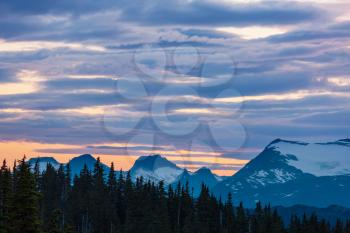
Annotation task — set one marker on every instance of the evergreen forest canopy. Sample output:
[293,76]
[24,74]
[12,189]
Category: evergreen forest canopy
[50,202]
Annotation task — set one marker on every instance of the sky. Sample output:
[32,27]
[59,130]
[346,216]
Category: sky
[203,83]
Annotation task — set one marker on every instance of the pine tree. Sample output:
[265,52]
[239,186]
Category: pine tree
[5,198]
[324,227]
[54,222]
[120,198]
[338,227]
[188,214]
[50,198]
[66,191]
[229,215]
[78,207]
[202,206]
[277,223]
[112,196]
[100,203]
[242,222]
[25,201]
[295,225]
[347,227]
[37,174]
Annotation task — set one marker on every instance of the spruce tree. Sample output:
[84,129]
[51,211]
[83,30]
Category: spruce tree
[54,222]
[338,227]
[242,221]
[25,201]
[113,217]
[203,212]
[347,227]
[5,198]
[229,215]
[50,194]
[99,200]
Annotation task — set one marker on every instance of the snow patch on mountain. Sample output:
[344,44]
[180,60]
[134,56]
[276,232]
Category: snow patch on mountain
[318,159]
[272,176]
[155,168]
[168,175]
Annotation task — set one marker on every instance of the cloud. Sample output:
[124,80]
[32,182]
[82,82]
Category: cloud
[61,7]
[326,118]
[292,85]
[216,14]
[7,75]
[334,31]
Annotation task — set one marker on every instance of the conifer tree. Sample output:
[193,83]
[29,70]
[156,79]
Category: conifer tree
[54,222]
[99,204]
[25,201]
[202,206]
[242,222]
[5,198]
[50,194]
[112,198]
[324,227]
[295,225]
[229,215]
[37,174]
[338,227]
[347,227]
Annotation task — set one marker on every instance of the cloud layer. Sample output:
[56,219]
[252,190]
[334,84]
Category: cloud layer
[202,82]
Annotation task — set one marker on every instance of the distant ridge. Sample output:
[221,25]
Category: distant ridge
[285,173]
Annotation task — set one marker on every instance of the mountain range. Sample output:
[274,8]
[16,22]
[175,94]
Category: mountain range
[285,173]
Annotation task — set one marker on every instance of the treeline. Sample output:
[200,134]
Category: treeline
[50,202]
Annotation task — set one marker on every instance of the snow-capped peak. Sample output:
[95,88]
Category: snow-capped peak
[78,163]
[319,159]
[155,168]
[43,162]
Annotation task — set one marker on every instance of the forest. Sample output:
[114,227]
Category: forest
[94,202]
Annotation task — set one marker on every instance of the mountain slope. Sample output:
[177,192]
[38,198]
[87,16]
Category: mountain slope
[288,173]
[155,168]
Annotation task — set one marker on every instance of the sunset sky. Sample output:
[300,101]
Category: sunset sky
[204,83]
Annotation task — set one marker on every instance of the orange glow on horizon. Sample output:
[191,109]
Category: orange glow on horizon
[15,150]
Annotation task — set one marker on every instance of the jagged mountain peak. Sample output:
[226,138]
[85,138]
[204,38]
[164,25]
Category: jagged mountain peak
[292,172]
[279,140]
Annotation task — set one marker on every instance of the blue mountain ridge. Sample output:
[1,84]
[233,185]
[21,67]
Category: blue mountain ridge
[279,175]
